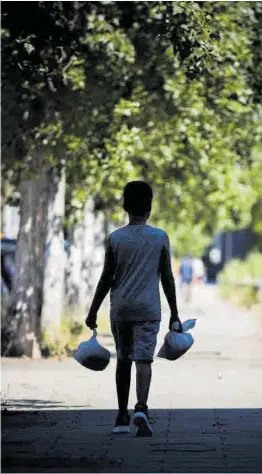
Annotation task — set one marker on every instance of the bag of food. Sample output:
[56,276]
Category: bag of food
[92,355]
[177,344]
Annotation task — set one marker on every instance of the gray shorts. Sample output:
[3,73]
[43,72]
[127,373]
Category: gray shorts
[135,340]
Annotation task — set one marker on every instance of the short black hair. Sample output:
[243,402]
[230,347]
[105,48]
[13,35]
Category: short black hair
[138,197]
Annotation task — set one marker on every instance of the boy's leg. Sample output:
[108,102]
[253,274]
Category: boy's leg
[143,380]
[123,335]
[123,378]
[144,348]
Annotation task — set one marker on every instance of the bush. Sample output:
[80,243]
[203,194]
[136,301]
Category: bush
[64,341]
[238,270]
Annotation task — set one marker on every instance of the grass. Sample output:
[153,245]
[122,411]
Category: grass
[64,341]
[238,270]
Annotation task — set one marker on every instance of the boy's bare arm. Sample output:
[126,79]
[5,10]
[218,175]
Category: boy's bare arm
[168,283]
[103,287]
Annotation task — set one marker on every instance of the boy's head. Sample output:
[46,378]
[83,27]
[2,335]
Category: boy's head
[138,197]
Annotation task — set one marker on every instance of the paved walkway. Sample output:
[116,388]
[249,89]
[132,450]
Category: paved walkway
[206,405]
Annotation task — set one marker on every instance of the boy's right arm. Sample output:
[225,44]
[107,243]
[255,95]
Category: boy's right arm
[103,286]
[168,283]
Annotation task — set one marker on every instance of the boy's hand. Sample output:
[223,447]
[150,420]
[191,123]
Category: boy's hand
[91,320]
[175,319]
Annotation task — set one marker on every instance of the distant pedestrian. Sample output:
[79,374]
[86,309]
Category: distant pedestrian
[137,257]
[186,276]
[198,270]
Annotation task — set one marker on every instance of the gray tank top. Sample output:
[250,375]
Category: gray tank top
[135,293]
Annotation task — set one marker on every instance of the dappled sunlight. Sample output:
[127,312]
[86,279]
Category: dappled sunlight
[29,291]
[28,225]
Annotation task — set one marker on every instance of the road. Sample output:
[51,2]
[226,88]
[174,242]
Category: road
[207,405]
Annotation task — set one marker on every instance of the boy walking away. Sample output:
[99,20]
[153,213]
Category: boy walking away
[137,257]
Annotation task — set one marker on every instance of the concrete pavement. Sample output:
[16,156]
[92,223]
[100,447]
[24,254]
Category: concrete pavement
[207,405]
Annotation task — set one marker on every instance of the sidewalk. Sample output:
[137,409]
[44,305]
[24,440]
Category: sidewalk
[185,441]
[206,406]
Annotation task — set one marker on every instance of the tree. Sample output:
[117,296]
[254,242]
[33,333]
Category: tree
[108,92]
[198,150]
[41,41]
[37,47]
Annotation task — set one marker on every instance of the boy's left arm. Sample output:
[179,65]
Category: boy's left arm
[103,286]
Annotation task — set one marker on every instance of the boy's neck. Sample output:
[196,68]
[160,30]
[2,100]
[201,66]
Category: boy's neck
[135,220]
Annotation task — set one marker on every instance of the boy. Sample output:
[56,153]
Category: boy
[137,257]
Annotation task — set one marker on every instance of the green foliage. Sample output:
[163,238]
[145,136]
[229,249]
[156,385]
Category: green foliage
[164,91]
[192,139]
[186,238]
[237,270]
[256,182]
[63,341]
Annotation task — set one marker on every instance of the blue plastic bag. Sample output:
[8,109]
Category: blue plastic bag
[177,344]
[91,355]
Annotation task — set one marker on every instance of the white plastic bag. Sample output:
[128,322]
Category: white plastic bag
[92,355]
[177,344]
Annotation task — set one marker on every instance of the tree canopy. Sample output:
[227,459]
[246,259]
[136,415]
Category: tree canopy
[166,91]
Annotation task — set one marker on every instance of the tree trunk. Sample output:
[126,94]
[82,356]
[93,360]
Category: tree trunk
[88,236]
[73,270]
[86,259]
[99,246]
[22,334]
[55,259]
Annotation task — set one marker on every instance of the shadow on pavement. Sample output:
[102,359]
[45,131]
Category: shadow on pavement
[185,440]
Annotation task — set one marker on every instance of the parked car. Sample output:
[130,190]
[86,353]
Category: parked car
[8,248]
[225,247]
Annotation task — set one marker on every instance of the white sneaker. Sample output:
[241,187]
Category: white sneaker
[141,421]
[122,424]
[121,429]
